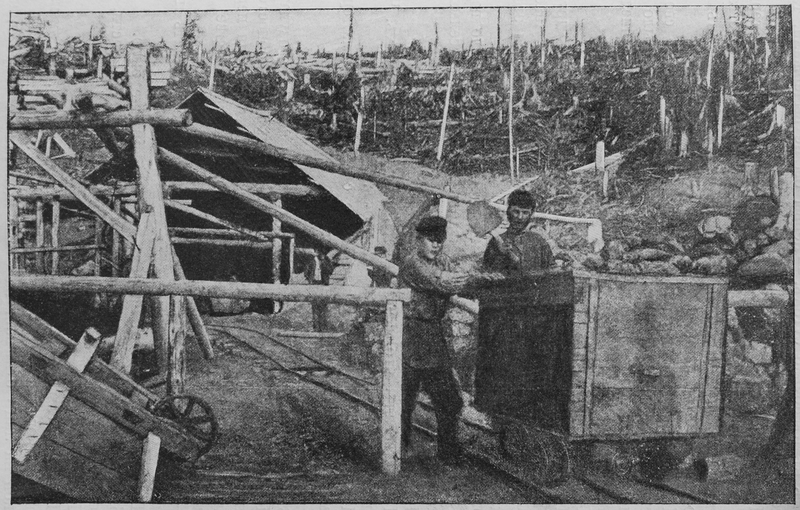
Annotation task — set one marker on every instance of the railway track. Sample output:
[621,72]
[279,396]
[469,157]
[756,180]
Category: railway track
[483,452]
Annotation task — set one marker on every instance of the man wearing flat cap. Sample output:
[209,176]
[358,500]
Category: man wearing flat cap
[427,357]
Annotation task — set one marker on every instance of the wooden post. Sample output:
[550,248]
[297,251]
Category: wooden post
[662,114]
[684,148]
[543,39]
[731,58]
[276,243]
[213,69]
[435,51]
[349,34]
[710,138]
[40,257]
[443,129]
[391,394]
[116,251]
[359,121]
[100,66]
[511,113]
[600,163]
[151,199]
[720,115]
[711,50]
[147,472]
[54,226]
[176,368]
[195,320]
[289,90]
[379,59]
[98,241]
[13,223]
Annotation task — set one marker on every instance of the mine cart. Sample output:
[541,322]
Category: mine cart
[568,358]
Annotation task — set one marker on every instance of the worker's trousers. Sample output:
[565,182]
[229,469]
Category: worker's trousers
[441,385]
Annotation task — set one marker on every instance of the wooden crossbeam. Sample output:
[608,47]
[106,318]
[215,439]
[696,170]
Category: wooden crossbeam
[123,188]
[55,398]
[123,118]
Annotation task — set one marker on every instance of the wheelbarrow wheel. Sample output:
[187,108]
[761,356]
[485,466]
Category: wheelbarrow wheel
[194,415]
[543,454]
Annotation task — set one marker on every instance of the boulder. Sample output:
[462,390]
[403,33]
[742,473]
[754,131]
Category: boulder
[755,214]
[758,353]
[682,262]
[783,248]
[765,266]
[593,262]
[713,265]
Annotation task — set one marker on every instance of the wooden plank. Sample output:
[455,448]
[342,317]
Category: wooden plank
[116,243]
[225,233]
[591,353]
[256,245]
[609,277]
[391,397]
[76,426]
[121,118]
[127,330]
[239,290]
[100,397]
[147,476]
[57,343]
[75,187]
[66,471]
[317,233]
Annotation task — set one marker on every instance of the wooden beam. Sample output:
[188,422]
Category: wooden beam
[40,266]
[128,328]
[55,250]
[239,290]
[106,135]
[261,236]
[55,398]
[221,232]
[391,394]
[276,243]
[195,320]
[54,227]
[263,205]
[45,365]
[256,245]
[328,165]
[147,474]
[151,197]
[121,118]
[129,188]
[76,188]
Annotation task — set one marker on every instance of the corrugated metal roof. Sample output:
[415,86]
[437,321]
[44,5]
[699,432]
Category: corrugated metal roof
[361,197]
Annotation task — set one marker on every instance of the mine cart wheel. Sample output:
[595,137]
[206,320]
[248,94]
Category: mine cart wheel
[193,414]
[546,455]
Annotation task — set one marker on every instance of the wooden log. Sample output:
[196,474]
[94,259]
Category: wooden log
[176,368]
[276,244]
[195,320]
[55,398]
[40,259]
[731,58]
[391,394]
[257,245]
[98,241]
[127,330]
[147,475]
[124,118]
[151,197]
[261,204]
[54,227]
[219,232]
[328,165]
[50,249]
[662,116]
[711,49]
[75,187]
[360,110]
[124,188]
[239,290]
[785,202]
[261,236]
[116,87]
[212,70]
[116,243]
[13,223]
[28,177]
[106,135]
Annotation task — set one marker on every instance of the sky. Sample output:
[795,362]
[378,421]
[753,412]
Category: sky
[328,29]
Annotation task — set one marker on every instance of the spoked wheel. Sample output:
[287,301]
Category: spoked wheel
[193,414]
[544,454]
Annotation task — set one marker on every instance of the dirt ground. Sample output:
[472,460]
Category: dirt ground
[268,453]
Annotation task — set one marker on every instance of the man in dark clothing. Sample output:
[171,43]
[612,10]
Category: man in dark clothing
[519,248]
[427,357]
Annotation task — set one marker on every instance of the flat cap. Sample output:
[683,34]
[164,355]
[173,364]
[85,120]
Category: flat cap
[433,227]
